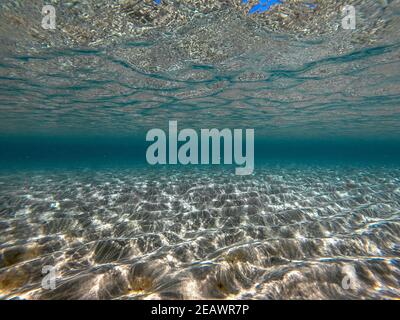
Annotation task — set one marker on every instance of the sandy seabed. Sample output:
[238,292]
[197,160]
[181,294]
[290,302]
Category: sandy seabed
[283,233]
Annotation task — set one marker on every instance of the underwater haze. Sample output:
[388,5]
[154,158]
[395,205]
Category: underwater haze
[319,218]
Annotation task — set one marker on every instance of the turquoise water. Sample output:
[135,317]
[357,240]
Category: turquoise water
[98,108]
[76,192]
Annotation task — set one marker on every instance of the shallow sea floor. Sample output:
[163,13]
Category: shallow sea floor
[291,232]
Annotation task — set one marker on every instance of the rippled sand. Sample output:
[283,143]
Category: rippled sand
[284,233]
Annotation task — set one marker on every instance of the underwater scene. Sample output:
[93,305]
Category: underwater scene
[199,149]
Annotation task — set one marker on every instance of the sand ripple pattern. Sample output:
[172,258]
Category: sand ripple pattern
[139,234]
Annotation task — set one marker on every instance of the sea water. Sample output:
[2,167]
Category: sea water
[317,218]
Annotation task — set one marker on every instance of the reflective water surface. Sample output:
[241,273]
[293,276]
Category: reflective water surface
[119,67]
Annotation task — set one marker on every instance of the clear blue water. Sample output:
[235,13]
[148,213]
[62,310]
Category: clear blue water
[76,191]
